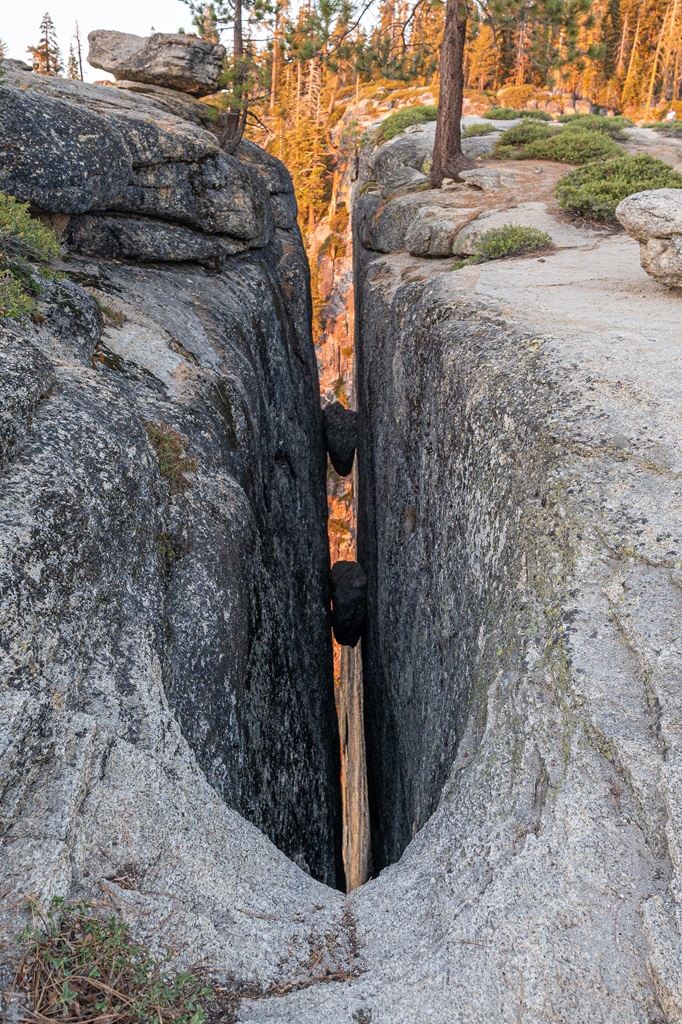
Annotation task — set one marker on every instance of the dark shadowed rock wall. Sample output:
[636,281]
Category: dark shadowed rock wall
[451,507]
[187,303]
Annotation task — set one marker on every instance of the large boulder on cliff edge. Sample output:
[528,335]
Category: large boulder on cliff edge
[654,218]
[171,60]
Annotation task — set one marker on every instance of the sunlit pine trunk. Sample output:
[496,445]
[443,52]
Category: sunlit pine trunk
[448,158]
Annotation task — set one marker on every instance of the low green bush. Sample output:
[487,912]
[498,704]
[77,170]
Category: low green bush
[594,191]
[573,148]
[509,114]
[480,128]
[612,126]
[541,142]
[526,132]
[26,249]
[510,240]
[671,129]
[398,122]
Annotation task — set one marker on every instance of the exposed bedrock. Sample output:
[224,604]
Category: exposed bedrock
[158,638]
[519,472]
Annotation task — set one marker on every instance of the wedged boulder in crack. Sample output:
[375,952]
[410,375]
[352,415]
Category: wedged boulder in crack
[170,60]
[349,602]
[341,436]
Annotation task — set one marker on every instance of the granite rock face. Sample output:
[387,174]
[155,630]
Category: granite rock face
[654,218]
[159,185]
[519,472]
[166,654]
[169,60]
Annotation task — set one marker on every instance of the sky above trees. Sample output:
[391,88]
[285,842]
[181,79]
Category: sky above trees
[20,22]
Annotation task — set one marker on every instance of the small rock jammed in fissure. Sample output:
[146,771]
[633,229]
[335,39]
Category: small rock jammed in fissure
[349,602]
[341,436]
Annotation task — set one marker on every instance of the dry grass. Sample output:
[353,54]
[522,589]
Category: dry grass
[171,452]
[81,966]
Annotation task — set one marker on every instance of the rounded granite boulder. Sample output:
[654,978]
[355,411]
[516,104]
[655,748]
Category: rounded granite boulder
[171,60]
[654,218]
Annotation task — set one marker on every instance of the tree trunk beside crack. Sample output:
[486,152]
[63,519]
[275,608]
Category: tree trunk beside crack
[448,159]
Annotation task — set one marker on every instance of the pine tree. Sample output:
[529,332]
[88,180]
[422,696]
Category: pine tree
[72,65]
[483,58]
[448,159]
[46,55]
[79,51]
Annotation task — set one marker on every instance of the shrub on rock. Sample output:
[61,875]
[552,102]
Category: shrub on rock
[402,119]
[596,190]
[509,114]
[573,147]
[480,128]
[671,129]
[612,126]
[26,249]
[171,452]
[510,240]
[80,964]
[529,141]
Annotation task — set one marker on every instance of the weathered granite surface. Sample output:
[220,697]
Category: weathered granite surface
[520,464]
[521,527]
[166,658]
